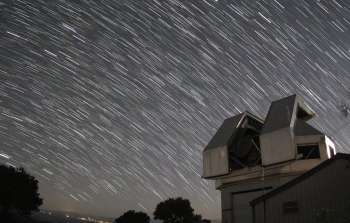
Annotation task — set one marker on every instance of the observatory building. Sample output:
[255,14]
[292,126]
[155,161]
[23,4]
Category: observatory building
[249,156]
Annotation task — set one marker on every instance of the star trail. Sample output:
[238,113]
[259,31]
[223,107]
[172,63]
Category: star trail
[110,103]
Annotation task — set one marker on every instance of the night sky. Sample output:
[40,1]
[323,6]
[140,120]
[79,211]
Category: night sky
[110,103]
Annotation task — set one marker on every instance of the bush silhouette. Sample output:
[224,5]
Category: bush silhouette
[133,217]
[176,210]
[18,192]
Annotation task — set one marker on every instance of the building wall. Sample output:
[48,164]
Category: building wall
[314,139]
[244,192]
[215,162]
[323,195]
[271,143]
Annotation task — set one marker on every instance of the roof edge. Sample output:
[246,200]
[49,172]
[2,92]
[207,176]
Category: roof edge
[256,117]
[300,178]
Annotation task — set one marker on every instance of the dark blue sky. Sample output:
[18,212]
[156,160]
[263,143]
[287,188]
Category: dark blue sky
[110,103]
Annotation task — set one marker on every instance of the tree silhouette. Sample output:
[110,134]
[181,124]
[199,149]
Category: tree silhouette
[133,217]
[176,210]
[18,192]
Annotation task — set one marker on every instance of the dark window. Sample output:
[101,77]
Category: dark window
[290,207]
[245,149]
[308,152]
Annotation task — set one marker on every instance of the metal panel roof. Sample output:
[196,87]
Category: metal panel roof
[300,178]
